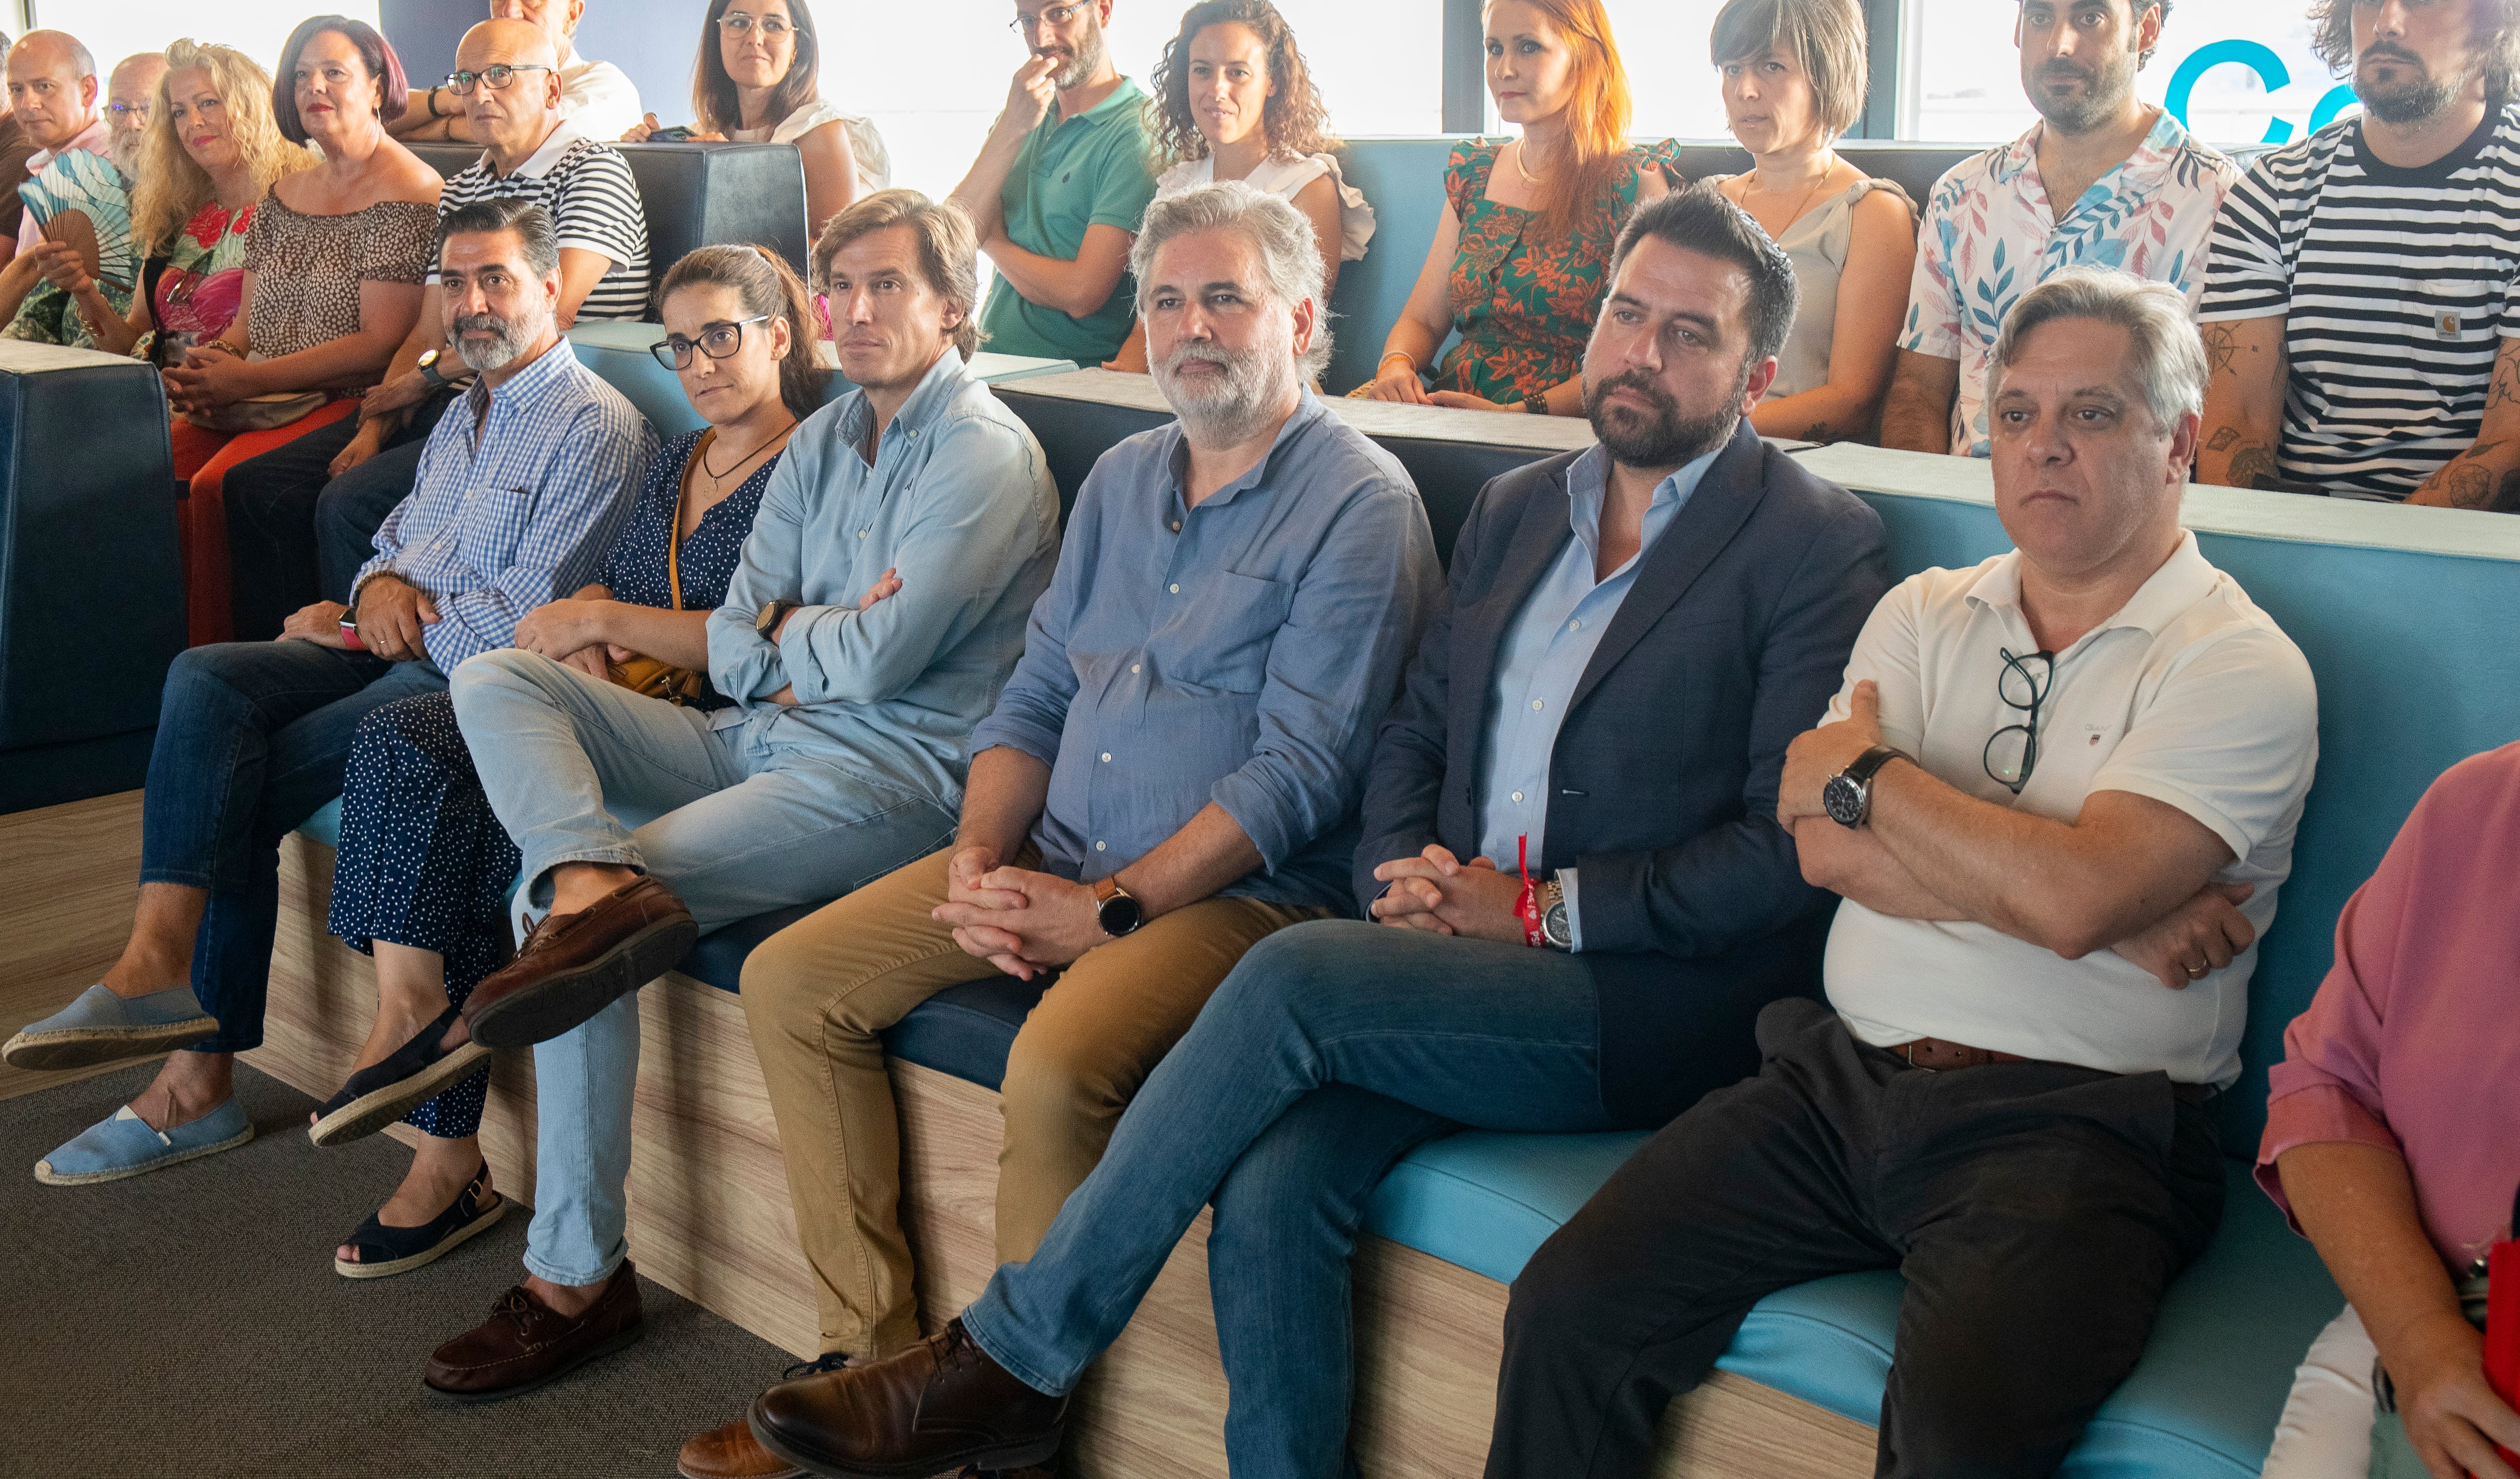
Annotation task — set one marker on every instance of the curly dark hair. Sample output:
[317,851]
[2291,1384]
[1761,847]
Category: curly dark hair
[1294,121]
[2496,35]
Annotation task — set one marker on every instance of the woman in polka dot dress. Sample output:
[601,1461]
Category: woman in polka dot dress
[424,870]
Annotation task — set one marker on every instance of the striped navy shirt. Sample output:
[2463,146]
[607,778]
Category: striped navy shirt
[2395,288]
[594,205]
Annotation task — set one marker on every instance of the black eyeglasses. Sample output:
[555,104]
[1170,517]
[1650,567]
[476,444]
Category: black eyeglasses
[126,110]
[2012,752]
[499,75]
[717,340]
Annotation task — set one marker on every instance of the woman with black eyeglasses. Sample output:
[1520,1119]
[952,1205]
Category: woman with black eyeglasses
[755,83]
[423,868]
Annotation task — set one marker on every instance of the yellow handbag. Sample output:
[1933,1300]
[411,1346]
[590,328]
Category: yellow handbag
[654,677]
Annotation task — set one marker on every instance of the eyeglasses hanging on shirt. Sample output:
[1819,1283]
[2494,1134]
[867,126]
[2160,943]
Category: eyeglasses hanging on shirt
[2012,752]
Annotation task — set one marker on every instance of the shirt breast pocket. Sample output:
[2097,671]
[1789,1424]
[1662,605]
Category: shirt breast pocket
[1221,631]
[489,527]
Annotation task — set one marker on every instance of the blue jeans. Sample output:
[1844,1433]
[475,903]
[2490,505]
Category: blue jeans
[252,741]
[1332,1049]
[735,820]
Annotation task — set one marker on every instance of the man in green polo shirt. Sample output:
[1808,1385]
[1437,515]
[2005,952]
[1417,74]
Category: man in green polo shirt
[1059,189]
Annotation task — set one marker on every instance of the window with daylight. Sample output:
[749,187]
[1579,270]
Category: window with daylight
[2234,72]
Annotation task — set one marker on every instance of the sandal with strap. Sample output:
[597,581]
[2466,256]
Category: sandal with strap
[383,1093]
[387,1251]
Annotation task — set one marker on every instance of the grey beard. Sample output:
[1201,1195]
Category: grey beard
[1085,64]
[125,150]
[510,339]
[1254,386]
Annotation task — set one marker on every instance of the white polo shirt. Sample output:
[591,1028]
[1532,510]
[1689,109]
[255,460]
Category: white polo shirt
[2190,696]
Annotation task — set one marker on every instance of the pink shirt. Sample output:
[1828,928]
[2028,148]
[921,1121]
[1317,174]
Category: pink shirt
[2413,1043]
[96,138]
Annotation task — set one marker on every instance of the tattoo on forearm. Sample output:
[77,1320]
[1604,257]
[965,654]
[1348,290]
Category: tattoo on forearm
[1818,432]
[2507,383]
[2254,467]
[2222,439]
[2467,487]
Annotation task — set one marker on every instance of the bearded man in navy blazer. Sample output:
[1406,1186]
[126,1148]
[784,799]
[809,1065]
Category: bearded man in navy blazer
[1633,634]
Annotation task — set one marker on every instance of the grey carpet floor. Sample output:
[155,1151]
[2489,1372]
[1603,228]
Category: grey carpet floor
[188,1324]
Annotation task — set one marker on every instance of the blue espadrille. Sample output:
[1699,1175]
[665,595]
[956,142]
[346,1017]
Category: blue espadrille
[124,1146]
[100,1027]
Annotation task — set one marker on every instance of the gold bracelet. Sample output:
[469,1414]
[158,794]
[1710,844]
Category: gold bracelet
[1396,354]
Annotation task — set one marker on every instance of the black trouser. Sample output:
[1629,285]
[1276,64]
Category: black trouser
[290,522]
[2037,1211]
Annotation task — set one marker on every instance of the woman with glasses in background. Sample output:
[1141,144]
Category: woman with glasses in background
[755,82]
[212,151]
[423,868]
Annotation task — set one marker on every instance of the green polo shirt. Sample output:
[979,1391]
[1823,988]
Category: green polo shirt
[1088,171]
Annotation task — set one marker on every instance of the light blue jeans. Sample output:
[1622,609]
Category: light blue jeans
[736,821]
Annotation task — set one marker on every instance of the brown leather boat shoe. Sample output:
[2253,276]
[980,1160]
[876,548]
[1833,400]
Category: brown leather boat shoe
[731,1453]
[940,1405]
[525,1344]
[574,965]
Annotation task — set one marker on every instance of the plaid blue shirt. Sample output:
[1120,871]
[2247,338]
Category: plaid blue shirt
[499,523]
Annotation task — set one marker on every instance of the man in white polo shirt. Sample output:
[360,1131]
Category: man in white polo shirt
[2058,792]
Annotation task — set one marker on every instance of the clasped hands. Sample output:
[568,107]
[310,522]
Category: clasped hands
[1025,923]
[2180,948]
[571,630]
[209,378]
[1440,894]
[390,617]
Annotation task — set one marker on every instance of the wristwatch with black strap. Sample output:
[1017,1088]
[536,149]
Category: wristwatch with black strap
[1115,908]
[429,371]
[1848,795]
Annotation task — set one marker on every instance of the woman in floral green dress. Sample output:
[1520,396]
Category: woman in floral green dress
[1522,254]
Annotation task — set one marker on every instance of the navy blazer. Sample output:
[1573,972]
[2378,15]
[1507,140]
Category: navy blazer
[1662,787]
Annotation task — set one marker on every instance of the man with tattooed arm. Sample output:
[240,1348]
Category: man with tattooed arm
[2360,320]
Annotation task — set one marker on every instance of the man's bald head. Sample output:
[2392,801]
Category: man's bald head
[51,87]
[514,120]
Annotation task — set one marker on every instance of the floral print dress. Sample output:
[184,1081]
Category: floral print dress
[1525,303]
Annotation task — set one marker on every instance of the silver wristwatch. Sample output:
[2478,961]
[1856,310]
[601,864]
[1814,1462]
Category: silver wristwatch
[1554,926]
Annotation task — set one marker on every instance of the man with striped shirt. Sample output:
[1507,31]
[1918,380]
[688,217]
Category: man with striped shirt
[2362,304]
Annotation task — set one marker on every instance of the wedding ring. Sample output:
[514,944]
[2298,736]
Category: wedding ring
[2197,972]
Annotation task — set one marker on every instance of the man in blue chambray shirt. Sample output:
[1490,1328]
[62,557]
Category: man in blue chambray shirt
[519,492]
[1171,775]
[878,607]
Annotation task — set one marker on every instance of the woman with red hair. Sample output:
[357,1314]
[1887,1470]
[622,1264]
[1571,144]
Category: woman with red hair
[1523,253]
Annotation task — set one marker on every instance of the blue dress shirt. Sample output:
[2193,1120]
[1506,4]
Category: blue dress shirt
[959,503]
[1242,652]
[1545,652]
[500,523]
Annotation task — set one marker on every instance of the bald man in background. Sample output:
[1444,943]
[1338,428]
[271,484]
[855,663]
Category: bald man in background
[597,96]
[53,95]
[33,308]
[15,149]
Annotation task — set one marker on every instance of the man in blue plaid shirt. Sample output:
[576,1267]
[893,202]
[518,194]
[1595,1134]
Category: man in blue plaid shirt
[519,491]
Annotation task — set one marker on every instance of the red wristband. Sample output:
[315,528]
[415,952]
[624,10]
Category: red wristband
[1527,906]
[351,635]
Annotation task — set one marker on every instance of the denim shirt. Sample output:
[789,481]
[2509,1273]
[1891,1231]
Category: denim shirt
[498,525]
[961,504]
[1242,652]
[1544,656]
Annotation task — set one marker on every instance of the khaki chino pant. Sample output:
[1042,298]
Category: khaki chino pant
[819,991]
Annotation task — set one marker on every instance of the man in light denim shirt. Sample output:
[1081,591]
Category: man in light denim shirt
[879,605]
[1171,775]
